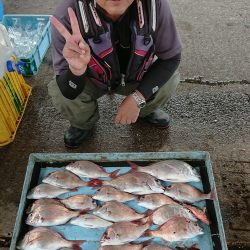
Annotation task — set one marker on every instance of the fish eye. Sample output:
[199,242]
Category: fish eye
[93,202]
[169,186]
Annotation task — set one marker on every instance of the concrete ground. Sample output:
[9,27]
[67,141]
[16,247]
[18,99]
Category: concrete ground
[205,116]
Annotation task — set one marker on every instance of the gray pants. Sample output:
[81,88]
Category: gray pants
[82,112]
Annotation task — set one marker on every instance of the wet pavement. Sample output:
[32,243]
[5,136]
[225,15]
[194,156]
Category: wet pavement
[205,117]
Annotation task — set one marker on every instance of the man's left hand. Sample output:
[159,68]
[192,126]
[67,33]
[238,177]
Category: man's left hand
[128,111]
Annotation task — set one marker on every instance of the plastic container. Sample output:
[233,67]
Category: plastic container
[1,10]
[32,63]
[14,92]
[40,165]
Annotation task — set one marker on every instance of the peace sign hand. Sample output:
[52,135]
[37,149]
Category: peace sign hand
[76,51]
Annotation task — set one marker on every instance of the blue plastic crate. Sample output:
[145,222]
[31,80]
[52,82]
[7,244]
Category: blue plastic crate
[1,10]
[32,63]
[41,164]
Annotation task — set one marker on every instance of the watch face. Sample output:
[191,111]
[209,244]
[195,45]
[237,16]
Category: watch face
[142,104]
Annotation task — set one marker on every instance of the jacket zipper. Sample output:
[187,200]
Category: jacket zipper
[139,76]
[132,54]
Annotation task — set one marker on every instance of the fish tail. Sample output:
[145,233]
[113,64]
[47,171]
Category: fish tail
[76,244]
[205,220]
[114,174]
[200,214]
[211,195]
[95,183]
[134,167]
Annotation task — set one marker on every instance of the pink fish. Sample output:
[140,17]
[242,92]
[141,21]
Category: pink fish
[135,183]
[165,213]
[47,191]
[153,201]
[169,170]
[43,201]
[64,179]
[123,232]
[176,229]
[108,193]
[117,212]
[79,202]
[43,238]
[186,193]
[89,169]
[51,215]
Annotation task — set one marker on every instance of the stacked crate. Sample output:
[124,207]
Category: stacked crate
[14,92]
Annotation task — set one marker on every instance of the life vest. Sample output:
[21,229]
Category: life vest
[103,68]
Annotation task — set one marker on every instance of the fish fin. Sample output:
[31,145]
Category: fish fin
[211,195]
[206,221]
[95,183]
[114,174]
[84,211]
[76,244]
[134,167]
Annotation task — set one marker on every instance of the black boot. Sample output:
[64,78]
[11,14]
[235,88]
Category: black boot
[158,118]
[74,137]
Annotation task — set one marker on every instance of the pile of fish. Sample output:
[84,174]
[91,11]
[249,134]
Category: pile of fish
[169,208]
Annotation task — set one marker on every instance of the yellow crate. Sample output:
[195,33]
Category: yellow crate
[14,95]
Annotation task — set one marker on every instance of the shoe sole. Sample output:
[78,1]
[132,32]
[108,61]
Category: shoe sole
[77,146]
[161,127]
[71,147]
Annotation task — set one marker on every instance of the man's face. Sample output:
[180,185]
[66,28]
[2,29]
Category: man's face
[114,8]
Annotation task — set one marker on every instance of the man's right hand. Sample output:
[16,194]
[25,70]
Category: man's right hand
[76,51]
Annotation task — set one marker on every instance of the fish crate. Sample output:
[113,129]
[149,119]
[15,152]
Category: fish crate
[14,96]
[41,164]
[32,62]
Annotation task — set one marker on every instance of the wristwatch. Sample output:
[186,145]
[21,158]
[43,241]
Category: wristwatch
[140,102]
